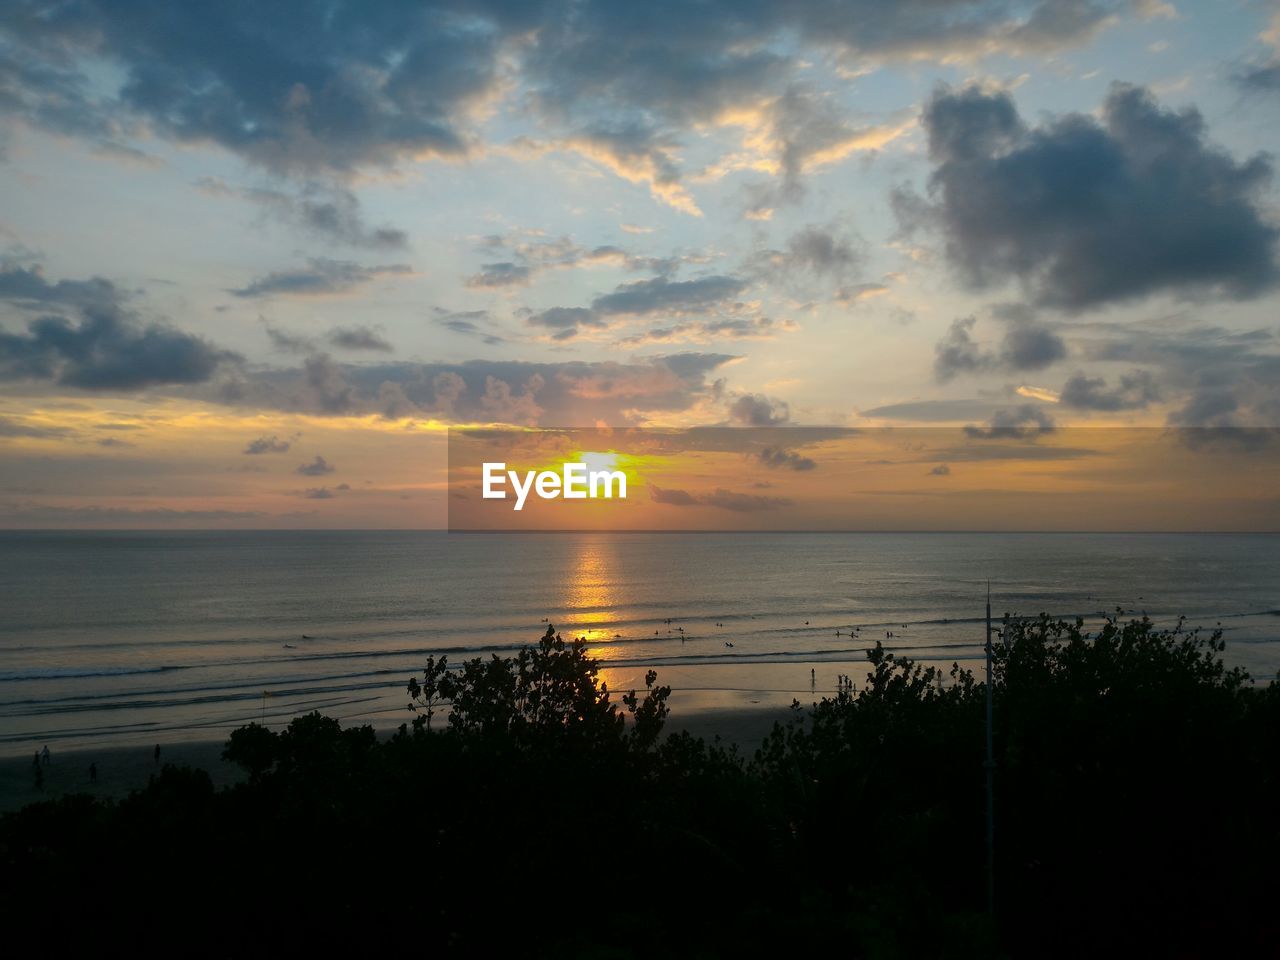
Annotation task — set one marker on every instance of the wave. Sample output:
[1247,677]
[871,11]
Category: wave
[73,673]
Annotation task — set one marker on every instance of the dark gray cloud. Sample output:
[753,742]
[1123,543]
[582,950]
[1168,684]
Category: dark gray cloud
[286,341]
[503,274]
[669,296]
[318,493]
[271,444]
[28,287]
[468,323]
[1024,422]
[14,428]
[274,83]
[674,497]
[305,94]
[109,348]
[549,394]
[1134,391]
[631,80]
[1221,378]
[779,458]
[957,352]
[1087,212]
[720,497]
[658,295]
[757,410]
[359,338]
[937,411]
[1030,346]
[1026,345]
[328,211]
[319,278]
[316,468]
[531,253]
[702,331]
[1260,77]
[827,254]
[566,322]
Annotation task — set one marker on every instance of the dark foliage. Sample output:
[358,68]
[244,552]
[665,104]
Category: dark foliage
[1137,785]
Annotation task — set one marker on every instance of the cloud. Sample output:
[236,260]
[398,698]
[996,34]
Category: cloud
[1030,346]
[669,296]
[1221,377]
[330,96]
[321,277]
[531,253]
[778,458]
[109,348]
[658,295]
[676,498]
[318,493]
[324,100]
[316,468]
[720,497]
[504,274]
[704,331]
[465,323]
[271,444]
[640,155]
[1135,391]
[567,322]
[1025,422]
[1026,345]
[757,410]
[359,338]
[795,133]
[1263,77]
[284,90]
[941,470]
[1087,212]
[328,211]
[14,428]
[811,255]
[565,393]
[630,80]
[936,411]
[287,342]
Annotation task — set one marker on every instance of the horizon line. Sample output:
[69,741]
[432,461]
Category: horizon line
[581,530]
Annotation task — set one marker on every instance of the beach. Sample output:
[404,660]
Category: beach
[185,636]
[122,769]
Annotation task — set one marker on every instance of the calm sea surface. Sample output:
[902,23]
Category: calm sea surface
[137,637]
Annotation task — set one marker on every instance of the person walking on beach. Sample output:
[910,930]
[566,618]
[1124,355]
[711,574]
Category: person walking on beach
[44,755]
[156,755]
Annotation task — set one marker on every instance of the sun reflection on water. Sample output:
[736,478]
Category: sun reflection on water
[590,601]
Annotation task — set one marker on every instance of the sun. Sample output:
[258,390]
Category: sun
[596,461]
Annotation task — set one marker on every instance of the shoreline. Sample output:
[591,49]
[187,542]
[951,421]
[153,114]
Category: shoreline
[124,768]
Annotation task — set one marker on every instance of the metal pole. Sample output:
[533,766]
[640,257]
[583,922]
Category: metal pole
[991,774]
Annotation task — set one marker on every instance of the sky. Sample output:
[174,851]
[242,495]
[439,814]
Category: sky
[256,260]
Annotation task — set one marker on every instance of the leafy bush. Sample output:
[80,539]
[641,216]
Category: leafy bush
[1136,790]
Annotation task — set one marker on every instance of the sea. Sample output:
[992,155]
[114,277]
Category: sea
[121,638]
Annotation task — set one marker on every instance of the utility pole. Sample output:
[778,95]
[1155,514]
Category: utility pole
[990,766]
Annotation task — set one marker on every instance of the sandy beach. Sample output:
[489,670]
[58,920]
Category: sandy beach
[122,769]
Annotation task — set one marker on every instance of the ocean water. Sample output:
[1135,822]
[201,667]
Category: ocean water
[132,637]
